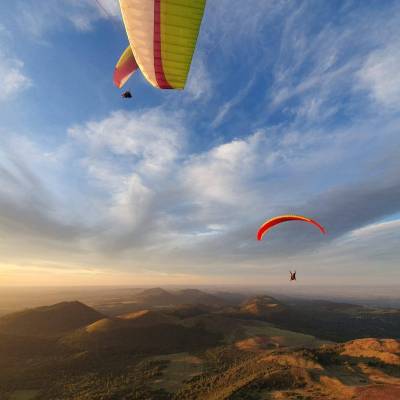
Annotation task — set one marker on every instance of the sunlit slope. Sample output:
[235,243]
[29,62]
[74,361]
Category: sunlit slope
[323,373]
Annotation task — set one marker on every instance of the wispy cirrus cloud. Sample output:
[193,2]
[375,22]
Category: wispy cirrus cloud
[380,76]
[200,83]
[40,18]
[229,105]
[13,77]
[154,198]
[311,66]
[130,155]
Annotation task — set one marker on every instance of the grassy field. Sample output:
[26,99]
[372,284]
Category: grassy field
[25,395]
[181,366]
[281,337]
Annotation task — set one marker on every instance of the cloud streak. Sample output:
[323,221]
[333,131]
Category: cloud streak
[13,77]
[39,18]
[154,197]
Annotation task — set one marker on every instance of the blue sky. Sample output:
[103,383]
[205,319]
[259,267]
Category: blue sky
[290,107]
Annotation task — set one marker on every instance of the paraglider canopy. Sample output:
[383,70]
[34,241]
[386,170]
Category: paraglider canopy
[284,218]
[125,68]
[162,36]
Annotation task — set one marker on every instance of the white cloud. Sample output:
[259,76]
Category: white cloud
[150,139]
[139,159]
[313,70]
[376,229]
[313,64]
[370,253]
[38,18]
[145,203]
[110,8]
[225,109]
[199,84]
[13,78]
[130,155]
[220,175]
[237,22]
[380,75]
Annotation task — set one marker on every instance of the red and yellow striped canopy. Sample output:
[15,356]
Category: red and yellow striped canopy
[284,218]
[162,36]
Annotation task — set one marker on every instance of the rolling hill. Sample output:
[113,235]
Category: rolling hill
[148,318]
[324,373]
[158,298]
[49,321]
[155,297]
[259,349]
[261,307]
[121,336]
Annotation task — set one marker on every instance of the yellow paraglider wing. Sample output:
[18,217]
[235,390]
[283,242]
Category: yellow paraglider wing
[163,36]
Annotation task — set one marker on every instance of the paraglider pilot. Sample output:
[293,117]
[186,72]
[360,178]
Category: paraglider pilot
[127,95]
[292,275]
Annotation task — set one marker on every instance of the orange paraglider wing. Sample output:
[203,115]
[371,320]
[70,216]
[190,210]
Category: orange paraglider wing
[125,68]
[284,218]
